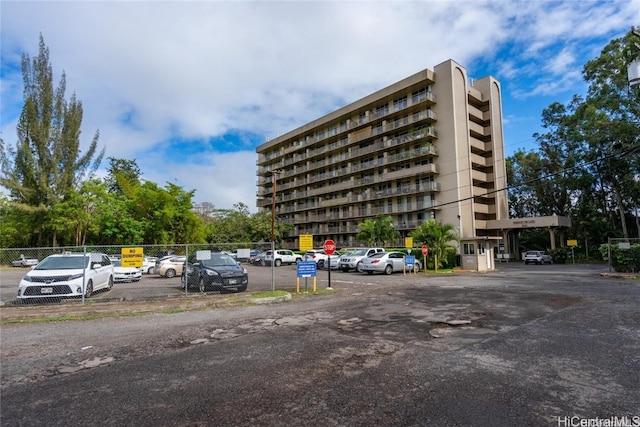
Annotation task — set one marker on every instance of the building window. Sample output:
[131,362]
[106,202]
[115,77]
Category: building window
[400,103]
[469,249]
[418,96]
[382,110]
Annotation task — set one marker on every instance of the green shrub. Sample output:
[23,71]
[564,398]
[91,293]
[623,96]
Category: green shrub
[559,255]
[622,260]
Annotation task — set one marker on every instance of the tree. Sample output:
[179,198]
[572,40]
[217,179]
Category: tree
[588,161]
[47,163]
[378,230]
[612,125]
[122,173]
[439,238]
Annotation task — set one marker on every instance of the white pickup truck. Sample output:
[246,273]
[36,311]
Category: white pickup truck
[283,256]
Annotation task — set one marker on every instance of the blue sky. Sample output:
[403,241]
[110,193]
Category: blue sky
[189,89]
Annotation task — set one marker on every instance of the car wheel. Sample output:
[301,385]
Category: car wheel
[89,291]
[201,285]
[278,262]
[388,269]
[321,263]
[170,273]
[345,270]
[369,272]
[526,263]
[359,267]
[110,283]
[150,271]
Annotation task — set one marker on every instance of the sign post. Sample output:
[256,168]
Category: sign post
[329,248]
[305,269]
[425,252]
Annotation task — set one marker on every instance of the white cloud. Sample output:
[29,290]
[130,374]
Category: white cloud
[194,70]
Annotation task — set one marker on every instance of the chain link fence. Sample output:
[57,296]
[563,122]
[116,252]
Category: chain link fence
[622,255]
[76,281]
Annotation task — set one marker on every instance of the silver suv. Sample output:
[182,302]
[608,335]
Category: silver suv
[353,259]
[538,257]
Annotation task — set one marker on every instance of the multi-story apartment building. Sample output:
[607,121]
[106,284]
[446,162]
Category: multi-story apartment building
[428,146]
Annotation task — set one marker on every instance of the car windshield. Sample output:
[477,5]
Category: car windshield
[63,263]
[219,260]
[359,252]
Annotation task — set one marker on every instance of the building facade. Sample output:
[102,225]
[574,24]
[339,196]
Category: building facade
[428,146]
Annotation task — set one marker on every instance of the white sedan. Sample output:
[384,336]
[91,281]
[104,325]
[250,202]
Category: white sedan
[125,274]
[388,262]
[24,262]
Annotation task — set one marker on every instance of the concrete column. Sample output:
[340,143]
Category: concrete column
[552,236]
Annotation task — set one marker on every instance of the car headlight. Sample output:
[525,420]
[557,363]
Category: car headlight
[211,273]
[27,278]
[75,276]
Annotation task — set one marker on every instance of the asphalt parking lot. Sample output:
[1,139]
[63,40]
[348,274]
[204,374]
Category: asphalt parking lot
[154,286]
[552,345]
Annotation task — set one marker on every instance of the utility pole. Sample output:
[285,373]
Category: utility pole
[274,176]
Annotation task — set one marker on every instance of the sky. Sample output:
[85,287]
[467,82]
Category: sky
[189,89]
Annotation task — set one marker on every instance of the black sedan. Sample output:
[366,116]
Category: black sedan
[209,270]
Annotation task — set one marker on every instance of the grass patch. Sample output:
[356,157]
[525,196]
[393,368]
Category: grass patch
[269,294]
[72,317]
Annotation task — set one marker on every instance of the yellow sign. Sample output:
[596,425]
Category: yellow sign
[306,242]
[132,257]
[408,242]
[572,243]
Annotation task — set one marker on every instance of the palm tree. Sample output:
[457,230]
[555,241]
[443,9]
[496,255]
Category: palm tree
[438,238]
[377,230]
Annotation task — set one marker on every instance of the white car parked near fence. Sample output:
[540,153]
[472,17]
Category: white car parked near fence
[67,275]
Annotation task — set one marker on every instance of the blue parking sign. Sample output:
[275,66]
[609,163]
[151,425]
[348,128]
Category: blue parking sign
[306,269]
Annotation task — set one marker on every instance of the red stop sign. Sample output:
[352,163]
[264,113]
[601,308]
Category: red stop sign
[425,250]
[329,247]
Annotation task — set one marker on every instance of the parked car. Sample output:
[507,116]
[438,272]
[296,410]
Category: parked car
[210,270]
[256,258]
[149,264]
[282,256]
[335,263]
[24,262]
[170,266]
[387,263]
[353,260]
[61,275]
[538,257]
[316,255]
[125,274]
